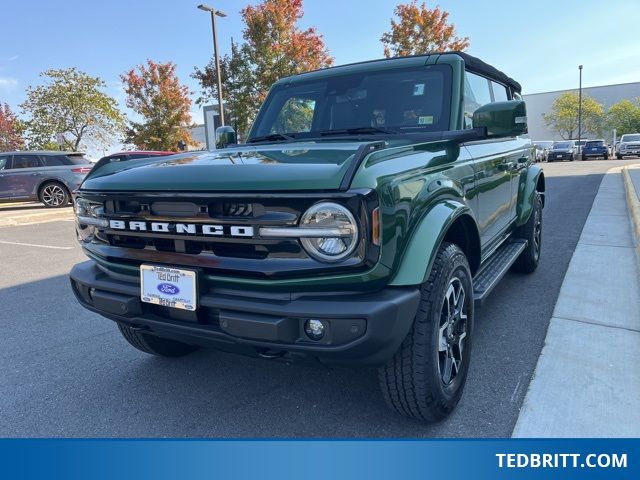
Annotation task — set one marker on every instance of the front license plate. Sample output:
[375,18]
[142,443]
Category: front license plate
[558,156]
[169,287]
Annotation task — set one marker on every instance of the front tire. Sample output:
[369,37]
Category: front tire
[619,157]
[531,231]
[426,376]
[147,343]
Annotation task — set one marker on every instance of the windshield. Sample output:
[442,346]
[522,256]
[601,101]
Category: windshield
[389,101]
[630,138]
[562,145]
[594,143]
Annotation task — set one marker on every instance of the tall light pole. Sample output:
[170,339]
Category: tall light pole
[580,111]
[216,13]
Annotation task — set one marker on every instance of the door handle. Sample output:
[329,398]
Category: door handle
[35,174]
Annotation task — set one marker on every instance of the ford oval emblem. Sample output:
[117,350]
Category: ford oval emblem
[168,289]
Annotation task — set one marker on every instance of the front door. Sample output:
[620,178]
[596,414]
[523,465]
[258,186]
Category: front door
[24,175]
[5,187]
[493,178]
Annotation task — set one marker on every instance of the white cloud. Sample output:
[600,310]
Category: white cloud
[8,83]
[9,59]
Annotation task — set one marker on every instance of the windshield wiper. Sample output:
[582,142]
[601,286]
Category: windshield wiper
[271,137]
[355,131]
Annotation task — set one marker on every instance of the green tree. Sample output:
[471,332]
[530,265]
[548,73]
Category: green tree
[11,130]
[420,29]
[156,95]
[71,104]
[624,116]
[563,117]
[274,47]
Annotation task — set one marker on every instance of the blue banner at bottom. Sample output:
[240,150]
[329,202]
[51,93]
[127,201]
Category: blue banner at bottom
[319,459]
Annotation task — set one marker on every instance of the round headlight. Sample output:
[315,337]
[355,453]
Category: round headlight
[339,232]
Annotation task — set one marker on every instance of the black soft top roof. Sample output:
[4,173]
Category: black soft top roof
[476,65]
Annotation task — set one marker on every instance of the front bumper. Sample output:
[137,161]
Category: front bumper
[359,328]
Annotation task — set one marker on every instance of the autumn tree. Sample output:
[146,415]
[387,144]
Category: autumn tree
[71,105]
[563,117]
[155,94]
[624,116]
[11,130]
[274,46]
[420,29]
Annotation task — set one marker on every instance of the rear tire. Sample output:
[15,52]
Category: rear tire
[619,157]
[420,381]
[531,231]
[147,343]
[54,195]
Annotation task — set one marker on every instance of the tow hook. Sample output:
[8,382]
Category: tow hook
[268,353]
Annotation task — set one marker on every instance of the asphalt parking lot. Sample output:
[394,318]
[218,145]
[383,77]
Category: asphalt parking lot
[67,372]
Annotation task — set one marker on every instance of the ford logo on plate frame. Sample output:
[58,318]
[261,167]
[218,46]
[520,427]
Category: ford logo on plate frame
[168,288]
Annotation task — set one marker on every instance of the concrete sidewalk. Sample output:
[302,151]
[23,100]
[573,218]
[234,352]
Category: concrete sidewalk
[587,380]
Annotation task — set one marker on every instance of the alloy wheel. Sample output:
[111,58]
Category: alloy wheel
[453,331]
[537,230]
[53,195]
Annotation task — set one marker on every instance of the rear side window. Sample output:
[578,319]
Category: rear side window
[476,94]
[25,161]
[77,159]
[4,162]
[55,160]
[499,92]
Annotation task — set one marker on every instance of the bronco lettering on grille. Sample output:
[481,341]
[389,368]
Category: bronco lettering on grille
[182,228]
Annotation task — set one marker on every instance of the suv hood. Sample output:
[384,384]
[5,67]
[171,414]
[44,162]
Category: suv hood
[291,166]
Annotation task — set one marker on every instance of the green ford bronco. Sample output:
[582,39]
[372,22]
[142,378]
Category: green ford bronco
[371,206]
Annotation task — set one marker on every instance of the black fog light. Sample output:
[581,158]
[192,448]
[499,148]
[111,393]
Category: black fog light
[314,329]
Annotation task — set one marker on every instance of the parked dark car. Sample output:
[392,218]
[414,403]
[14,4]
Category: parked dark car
[565,150]
[122,156]
[48,177]
[595,149]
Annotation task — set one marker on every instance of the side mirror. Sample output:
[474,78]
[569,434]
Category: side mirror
[502,119]
[225,136]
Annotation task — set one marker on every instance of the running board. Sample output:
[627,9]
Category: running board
[496,268]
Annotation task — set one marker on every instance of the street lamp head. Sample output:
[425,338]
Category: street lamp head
[206,8]
[580,67]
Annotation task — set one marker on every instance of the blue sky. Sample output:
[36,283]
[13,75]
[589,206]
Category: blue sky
[539,43]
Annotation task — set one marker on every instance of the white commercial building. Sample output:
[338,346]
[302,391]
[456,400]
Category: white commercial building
[540,103]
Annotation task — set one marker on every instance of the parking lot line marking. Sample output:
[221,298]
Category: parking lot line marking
[35,245]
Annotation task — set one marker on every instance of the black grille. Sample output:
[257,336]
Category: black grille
[250,256]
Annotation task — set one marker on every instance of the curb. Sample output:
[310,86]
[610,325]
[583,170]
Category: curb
[36,218]
[634,206]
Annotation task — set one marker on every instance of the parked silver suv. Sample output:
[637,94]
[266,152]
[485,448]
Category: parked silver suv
[629,145]
[48,177]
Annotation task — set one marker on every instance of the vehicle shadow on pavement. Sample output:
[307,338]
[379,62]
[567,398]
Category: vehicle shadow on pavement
[69,373]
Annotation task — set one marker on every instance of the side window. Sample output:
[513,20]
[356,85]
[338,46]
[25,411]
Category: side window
[4,162]
[54,160]
[296,115]
[499,92]
[476,94]
[25,161]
